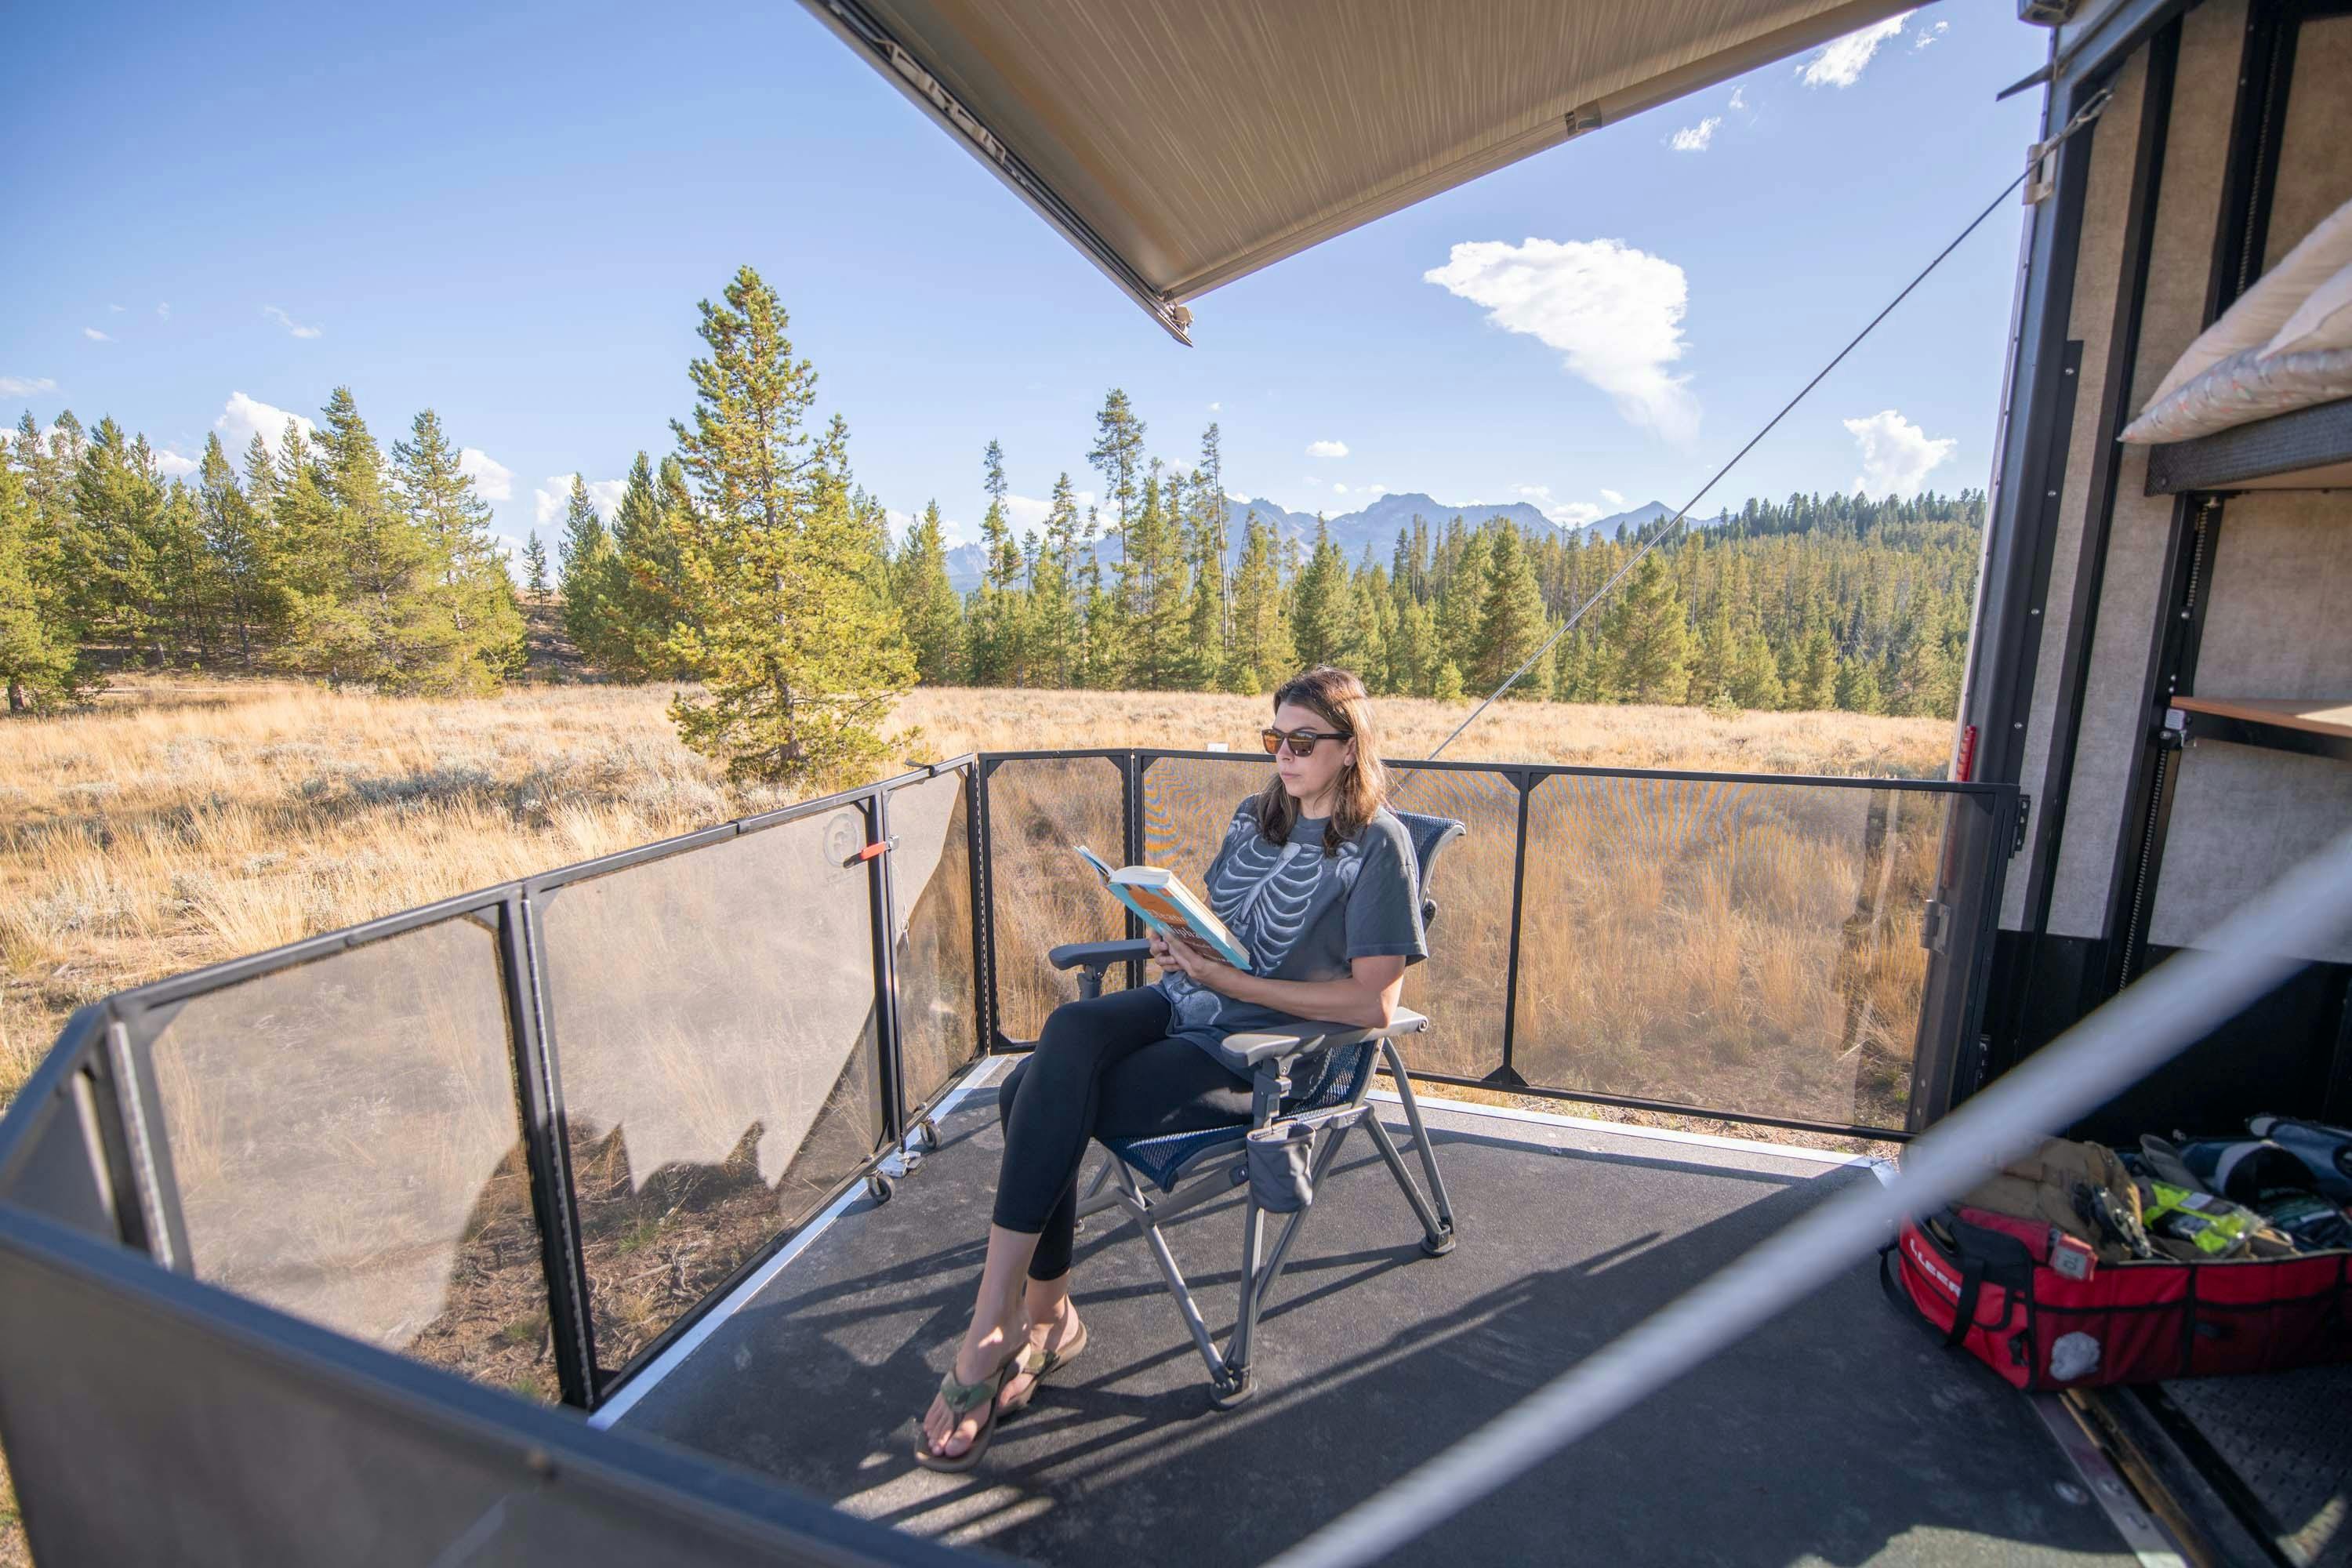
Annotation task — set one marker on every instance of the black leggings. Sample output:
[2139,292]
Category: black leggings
[1103,1068]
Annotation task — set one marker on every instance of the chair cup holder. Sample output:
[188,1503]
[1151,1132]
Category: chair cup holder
[1281,1166]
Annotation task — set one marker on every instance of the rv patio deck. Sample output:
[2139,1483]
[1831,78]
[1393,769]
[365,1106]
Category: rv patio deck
[1840,1433]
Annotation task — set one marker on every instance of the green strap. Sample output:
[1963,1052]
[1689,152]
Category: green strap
[961,1397]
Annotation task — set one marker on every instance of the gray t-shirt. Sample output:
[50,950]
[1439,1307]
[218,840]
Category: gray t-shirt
[1303,914]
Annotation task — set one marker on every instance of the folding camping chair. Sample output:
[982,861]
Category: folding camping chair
[1317,1080]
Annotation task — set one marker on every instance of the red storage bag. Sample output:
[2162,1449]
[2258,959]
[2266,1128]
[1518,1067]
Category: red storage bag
[1987,1292]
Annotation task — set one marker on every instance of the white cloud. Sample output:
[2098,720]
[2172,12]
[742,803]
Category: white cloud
[1028,512]
[493,480]
[94,335]
[1568,514]
[1897,455]
[1611,497]
[1839,62]
[1694,138]
[173,466]
[1236,495]
[116,308]
[25,386]
[243,417]
[1216,408]
[1930,35]
[1327,449]
[1738,98]
[550,501]
[1340,489]
[163,309]
[293,327]
[1614,312]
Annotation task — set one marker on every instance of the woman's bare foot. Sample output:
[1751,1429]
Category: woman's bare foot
[1047,1335]
[982,1352]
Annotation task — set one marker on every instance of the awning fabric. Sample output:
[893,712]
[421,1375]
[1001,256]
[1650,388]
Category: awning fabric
[1184,144]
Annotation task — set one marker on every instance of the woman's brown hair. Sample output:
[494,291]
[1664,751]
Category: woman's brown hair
[1363,785]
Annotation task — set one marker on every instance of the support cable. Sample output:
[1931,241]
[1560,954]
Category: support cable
[2089,111]
[2137,1031]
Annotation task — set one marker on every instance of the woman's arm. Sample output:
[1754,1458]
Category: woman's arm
[1365,997]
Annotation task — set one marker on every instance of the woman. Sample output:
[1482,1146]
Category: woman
[1316,879]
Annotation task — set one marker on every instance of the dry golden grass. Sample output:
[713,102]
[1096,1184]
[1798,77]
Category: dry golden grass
[177,825]
[1726,949]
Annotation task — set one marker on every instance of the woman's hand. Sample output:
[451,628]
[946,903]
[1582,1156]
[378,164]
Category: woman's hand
[1195,961]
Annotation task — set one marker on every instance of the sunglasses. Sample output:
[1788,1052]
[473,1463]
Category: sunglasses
[1301,741]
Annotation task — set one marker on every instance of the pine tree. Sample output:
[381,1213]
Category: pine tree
[119,501]
[1648,638]
[1857,686]
[1322,618]
[1462,596]
[1815,687]
[996,612]
[1060,633]
[645,596]
[1511,622]
[800,660]
[236,542]
[1447,687]
[1264,653]
[1413,662]
[585,559]
[363,615]
[1209,622]
[534,564]
[470,590]
[41,664]
[1151,580]
[1117,455]
[1755,677]
[927,606]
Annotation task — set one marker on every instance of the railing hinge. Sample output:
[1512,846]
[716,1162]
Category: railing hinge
[2024,817]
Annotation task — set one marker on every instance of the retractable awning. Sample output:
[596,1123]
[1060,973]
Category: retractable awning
[1184,144]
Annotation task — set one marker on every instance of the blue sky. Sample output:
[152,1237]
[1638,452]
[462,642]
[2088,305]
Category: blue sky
[220,214]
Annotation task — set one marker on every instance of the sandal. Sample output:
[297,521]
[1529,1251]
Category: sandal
[1039,1365]
[962,1399]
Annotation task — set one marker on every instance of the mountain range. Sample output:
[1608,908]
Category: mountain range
[1375,526]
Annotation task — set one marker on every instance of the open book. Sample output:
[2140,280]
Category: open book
[1167,905]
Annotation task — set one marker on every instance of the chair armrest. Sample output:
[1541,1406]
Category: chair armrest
[1097,954]
[1262,1047]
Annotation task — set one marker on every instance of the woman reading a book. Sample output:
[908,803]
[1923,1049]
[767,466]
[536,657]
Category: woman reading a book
[1315,881]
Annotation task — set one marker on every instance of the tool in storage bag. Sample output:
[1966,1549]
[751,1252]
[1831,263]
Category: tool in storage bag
[2142,1322]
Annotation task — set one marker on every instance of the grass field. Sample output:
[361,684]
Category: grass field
[1698,942]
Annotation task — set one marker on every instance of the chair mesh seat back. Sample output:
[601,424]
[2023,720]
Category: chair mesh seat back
[1430,835]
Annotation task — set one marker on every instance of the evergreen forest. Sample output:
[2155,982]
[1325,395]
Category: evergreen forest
[746,564]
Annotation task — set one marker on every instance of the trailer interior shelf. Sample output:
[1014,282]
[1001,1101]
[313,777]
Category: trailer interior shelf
[2320,726]
[2302,449]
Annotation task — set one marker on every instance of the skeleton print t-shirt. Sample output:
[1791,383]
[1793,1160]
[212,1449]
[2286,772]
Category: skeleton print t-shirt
[1303,914]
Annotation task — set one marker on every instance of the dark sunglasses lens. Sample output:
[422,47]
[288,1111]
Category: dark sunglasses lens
[1303,744]
[1273,739]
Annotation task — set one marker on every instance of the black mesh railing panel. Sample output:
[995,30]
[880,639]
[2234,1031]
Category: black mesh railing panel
[1041,893]
[711,1018]
[148,1421]
[1461,985]
[345,1143]
[930,884]
[1748,946]
[1187,803]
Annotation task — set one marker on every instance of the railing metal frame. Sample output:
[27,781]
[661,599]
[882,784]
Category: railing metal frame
[1953,1007]
[107,1047]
